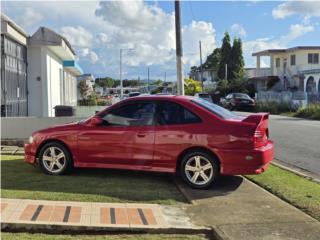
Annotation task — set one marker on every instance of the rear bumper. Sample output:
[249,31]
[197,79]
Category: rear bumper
[30,153]
[241,162]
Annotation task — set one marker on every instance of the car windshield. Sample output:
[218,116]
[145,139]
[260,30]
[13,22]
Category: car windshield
[220,111]
[241,95]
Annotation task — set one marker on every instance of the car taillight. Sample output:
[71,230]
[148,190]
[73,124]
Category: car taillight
[260,136]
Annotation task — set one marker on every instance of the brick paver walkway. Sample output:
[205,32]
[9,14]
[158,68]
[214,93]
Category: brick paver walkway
[82,214]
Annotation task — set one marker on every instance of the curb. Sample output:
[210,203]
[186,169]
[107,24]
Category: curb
[73,229]
[295,171]
[182,191]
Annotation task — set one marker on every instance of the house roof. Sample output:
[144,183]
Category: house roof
[5,18]
[283,50]
[47,36]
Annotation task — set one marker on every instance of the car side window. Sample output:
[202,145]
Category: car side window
[229,96]
[135,114]
[172,113]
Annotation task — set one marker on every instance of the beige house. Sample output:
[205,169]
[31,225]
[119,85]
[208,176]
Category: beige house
[295,69]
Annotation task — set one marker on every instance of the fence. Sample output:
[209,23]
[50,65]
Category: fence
[298,98]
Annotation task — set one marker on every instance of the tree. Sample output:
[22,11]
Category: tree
[191,87]
[105,82]
[213,60]
[236,60]
[225,56]
[83,88]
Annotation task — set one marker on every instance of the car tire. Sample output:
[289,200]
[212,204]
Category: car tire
[199,169]
[55,159]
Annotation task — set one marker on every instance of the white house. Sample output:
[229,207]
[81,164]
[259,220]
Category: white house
[52,73]
[296,68]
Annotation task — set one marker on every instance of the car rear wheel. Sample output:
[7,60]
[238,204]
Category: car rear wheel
[199,169]
[54,159]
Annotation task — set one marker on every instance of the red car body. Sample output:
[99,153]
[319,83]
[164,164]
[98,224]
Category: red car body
[240,144]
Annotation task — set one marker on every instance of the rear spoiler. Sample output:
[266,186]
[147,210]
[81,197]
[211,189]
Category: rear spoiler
[256,118]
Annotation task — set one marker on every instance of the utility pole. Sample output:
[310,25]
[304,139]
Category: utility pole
[148,80]
[201,72]
[226,72]
[165,76]
[121,83]
[180,81]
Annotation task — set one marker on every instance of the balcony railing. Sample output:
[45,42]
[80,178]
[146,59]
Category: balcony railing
[262,72]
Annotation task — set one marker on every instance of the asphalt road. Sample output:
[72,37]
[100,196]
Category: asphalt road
[297,143]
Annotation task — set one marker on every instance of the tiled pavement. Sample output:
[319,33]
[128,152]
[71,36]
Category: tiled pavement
[91,215]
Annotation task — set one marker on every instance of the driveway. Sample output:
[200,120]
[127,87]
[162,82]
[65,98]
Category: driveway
[297,142]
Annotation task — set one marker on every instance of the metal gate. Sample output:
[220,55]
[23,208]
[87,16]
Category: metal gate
[13,78]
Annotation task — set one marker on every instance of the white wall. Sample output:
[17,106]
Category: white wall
[22,127]
[36,77]
[54,80]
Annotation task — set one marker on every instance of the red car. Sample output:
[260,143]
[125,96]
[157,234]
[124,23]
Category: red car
[191,136]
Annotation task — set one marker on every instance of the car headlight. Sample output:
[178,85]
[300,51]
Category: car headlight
[30,139]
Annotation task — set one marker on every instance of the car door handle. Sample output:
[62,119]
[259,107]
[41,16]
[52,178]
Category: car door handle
[141,134]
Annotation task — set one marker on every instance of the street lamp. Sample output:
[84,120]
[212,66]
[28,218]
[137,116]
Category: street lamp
[121,83]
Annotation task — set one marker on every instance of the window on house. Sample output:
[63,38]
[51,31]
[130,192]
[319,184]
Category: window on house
[293,60]
[313,58]
[277,62]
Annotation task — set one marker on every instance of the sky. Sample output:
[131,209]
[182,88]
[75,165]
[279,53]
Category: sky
[98,29]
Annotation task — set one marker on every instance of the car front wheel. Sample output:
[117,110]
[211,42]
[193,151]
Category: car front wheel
[199,169]
[54,159]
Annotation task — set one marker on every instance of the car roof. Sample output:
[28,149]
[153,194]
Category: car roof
[161,97]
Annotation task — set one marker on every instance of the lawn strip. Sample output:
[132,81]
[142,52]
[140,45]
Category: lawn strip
[298,191]
[37,236]
[23,181]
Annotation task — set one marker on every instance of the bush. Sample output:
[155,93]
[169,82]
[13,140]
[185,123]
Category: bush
[273,107]
[311,111]
[104,102]
[91,101]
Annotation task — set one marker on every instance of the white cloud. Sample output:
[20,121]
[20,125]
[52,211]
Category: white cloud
[77,36]
[296,31]
[151,32]
[87,53]
[30,18]
[191,34]
[238,29]
[305,8]
[103,37]
[107,26]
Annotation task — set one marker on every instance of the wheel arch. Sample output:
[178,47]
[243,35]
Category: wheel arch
[193,149]
[50,140]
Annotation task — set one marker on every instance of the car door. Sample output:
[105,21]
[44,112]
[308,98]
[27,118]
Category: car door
[125,139]
[175,130]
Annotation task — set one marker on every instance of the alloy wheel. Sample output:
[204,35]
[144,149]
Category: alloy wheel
[198,170]
[54,159]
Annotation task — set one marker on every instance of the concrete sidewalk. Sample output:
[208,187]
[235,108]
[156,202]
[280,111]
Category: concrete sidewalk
[238,209]
[44,216]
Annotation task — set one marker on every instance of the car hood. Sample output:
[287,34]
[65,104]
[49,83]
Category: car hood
[59,127]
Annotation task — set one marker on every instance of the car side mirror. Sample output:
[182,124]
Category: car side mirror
[96,121]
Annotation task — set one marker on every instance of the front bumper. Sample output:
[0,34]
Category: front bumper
[30,150]
[242,162]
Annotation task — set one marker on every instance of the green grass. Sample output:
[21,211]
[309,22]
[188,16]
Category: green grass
[30,236]
[21,180]
[298,191]
[311,111]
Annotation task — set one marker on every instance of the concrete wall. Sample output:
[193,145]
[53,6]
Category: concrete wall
[36,78]
[22,127]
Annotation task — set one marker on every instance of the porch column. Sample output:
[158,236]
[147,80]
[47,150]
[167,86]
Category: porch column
[258,62]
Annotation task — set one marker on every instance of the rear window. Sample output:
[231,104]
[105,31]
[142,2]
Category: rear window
[220,111]
[241,95]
